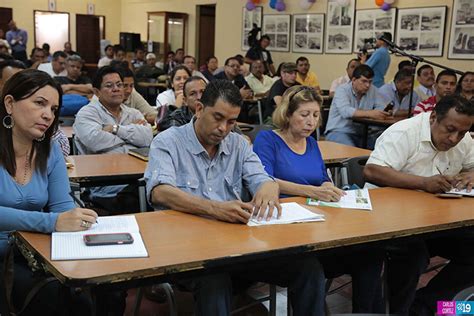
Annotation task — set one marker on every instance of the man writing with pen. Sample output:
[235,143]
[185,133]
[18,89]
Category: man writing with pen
[432,152]
[202,168]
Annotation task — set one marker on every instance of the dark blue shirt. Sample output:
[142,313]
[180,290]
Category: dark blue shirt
[283,163]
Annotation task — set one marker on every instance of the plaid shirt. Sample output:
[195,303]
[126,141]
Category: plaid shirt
[178,117]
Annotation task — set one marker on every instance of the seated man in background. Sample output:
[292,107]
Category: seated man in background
[109,55]
[232,73]
[192,91]
[258,81]
[426,79]
[178,177]
[68,49]
[445,85]
[190,63]
[105,125]
[139,59]
[149,69]
[288,79]
[57,66]
[36,58]
[7,69]
[356,99]
[351,65]
[211,66]
[397,93]
[133,99]
[306,77]
[75,82]
[432,152]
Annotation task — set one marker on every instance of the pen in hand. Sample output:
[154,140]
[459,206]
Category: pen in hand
[79,202]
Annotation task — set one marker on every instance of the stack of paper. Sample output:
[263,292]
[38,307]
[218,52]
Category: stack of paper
[357,199]
[462,192]
[290,213]
[71,245]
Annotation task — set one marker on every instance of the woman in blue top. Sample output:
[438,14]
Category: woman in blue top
[289,153]
[34,194]
[292,156]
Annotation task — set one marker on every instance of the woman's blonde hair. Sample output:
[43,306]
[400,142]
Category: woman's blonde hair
[292,98]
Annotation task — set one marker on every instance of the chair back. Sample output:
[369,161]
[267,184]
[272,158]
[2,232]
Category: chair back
[353,171]
[252,130]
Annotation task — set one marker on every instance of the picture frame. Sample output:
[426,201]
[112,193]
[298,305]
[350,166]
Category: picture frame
[339,27]
[277,27]
[420,31]
[461,40]
[370,23]
[248,19]
[308,33]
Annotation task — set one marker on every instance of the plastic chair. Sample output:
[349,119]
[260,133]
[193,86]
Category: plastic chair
[352,172]
[252,130]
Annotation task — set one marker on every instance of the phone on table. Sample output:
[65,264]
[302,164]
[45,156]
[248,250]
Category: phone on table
[389,107]
[108,239]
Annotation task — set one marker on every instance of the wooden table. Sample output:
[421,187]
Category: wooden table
[334,153]
[109,169]
[178,242]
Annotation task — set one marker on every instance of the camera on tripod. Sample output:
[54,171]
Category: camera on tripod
[368,48]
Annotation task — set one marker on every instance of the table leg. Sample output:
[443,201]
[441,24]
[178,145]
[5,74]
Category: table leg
[260,116]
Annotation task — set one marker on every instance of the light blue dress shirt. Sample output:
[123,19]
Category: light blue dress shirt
[379,61]
[177,158]
[345,103]
[36,205]
[389,93]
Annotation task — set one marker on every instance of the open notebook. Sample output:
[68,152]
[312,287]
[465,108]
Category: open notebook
[290,213]
[141,153]
[356,199]
[71,246]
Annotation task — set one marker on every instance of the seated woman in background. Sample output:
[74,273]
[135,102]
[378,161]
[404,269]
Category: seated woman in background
[174,95]
[34,193]
[292,156]
[465,85]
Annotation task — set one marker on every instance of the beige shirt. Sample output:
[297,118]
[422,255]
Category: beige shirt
[136,101]
[406,147]
[257,86]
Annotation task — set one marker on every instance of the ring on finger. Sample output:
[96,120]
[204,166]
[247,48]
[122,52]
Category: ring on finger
[85,224]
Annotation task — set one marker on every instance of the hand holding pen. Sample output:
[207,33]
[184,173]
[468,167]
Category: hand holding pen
[76,219]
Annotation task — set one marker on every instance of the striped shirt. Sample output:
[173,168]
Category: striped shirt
[425,106]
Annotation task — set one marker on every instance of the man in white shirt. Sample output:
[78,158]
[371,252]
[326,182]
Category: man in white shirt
[190,63]
[426,79]
[57,66]
[353,63]
[432,152]
[109,55]
[257,80]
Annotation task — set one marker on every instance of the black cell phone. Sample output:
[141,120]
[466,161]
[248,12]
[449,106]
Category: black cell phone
[389,107]
[108,239]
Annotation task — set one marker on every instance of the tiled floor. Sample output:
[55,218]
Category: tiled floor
[338,303]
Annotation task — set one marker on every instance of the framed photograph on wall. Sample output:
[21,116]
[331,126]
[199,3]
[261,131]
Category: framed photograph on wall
[277,27]
[249,18]
[461,41]
[421,30]
[370,23]
[308,32]
[339,27]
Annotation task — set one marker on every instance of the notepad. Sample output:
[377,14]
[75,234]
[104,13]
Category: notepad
[290,213]
[71,246]
[462,192]
[356,199]
[141,153]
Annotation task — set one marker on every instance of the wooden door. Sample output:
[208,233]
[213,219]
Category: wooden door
[88,37]
[207,26]
[6,15]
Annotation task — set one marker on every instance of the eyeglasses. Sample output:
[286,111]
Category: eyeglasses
[111,85]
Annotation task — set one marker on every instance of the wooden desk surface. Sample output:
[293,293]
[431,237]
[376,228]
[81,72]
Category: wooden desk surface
[383,123]
[178,242]
[68,131]
[334,153]
[105,166]
[152,84]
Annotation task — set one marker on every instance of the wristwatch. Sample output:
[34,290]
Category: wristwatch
[115,128]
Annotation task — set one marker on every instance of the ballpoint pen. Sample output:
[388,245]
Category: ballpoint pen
[79,202]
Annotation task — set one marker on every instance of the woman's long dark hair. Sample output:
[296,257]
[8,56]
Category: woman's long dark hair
[21,86]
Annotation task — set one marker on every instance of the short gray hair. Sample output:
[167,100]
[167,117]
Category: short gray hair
[75,58]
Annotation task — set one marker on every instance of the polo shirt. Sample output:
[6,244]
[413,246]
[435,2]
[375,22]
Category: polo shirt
[311,79]
[379,62]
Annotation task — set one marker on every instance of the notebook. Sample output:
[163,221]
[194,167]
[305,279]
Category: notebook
[141,153]
[290,213]
[71,246]
[356,199]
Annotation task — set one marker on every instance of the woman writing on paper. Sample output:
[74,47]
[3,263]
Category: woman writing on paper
[34,194]
[293,157]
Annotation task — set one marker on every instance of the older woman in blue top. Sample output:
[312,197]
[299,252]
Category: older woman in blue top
[292,156]
[34,194]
